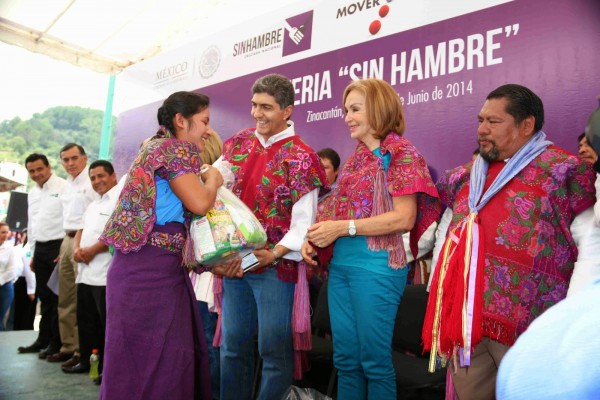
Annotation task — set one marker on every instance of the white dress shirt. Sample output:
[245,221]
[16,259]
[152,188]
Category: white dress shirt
[25,254]
[94,219]
[76,197]
[8,263]
[44,212]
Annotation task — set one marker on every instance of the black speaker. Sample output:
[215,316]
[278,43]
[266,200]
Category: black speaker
[16,218]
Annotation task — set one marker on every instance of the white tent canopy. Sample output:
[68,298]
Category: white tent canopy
[109,35]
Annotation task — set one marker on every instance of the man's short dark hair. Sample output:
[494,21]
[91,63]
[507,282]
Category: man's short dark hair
[33,157]
[277,86]
[108,167]
[331,155]
[69,146]
[522,103]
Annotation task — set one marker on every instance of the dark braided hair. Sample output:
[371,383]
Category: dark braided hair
[185,103]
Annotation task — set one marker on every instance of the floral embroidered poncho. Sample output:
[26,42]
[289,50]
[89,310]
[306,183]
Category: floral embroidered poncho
[529,250]
[135,214]
[271,180]
[353,197]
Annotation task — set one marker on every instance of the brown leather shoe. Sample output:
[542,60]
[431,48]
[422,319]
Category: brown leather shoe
[71,362]
[42,355]
[59,357]
[77,369]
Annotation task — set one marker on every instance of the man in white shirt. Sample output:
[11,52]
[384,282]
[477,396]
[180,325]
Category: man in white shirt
[93,261]
[8,267]
[45,237]
[75,198]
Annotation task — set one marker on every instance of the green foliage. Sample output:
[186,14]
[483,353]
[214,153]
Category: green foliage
[49,131]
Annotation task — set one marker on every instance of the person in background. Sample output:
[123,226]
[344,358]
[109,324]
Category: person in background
[75,198]
[509,233]
[213,147]
[45,232]
[202,283]
[25,299]
[155,346]
[384,189]
[8,266]
[330,160]
[93,259]
[278,176]
[585,151]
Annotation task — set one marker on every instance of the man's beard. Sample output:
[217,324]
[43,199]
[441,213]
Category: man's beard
[490,155]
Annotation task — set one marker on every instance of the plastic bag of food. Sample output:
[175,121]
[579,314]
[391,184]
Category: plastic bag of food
[227,230]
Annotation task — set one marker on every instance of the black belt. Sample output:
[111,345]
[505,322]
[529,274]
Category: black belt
[70,234]
[48,242]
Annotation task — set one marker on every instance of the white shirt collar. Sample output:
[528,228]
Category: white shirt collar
[81,177]
[286,133]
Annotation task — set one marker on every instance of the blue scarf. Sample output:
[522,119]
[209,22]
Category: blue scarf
[533,148]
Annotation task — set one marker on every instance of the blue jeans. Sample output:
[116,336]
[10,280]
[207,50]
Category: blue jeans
[256,301]
[209,322]
[7,293]
[363,307]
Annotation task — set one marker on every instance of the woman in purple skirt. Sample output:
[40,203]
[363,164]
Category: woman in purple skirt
[155,347]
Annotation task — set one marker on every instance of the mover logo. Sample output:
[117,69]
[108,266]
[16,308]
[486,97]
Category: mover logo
[356,7]
[298,33]
[363,5]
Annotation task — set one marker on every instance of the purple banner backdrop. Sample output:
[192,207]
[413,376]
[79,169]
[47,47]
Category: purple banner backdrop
[443,71]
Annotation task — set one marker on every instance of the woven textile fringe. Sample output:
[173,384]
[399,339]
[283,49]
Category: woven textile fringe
[301,327]
[189,259]
[443,325]
[382,203]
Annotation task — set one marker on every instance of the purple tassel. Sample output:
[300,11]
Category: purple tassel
[382,203]
[450,391]
[218,293]
[301,328]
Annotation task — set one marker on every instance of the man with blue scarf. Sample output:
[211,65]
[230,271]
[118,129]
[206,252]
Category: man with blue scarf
[512,243]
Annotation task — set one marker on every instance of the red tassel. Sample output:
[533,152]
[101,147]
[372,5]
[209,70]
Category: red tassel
[450,327]
[454,287]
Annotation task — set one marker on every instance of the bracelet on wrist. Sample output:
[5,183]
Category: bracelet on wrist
[276,254]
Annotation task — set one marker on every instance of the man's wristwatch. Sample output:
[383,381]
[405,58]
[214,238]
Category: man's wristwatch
[351,228]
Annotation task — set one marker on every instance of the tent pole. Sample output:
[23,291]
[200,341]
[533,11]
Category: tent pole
[107,121]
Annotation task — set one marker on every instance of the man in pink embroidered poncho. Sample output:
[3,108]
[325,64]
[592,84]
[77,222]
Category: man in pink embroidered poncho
[278,177]
[510,250]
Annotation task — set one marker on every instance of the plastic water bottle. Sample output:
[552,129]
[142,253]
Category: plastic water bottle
[94,361]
